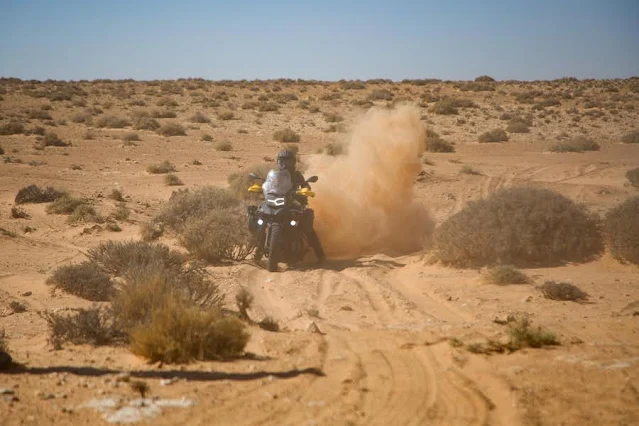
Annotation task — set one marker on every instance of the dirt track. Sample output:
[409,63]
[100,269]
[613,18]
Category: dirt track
[383,353]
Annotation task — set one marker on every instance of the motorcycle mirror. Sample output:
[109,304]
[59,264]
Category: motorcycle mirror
[312,179]
[255,176]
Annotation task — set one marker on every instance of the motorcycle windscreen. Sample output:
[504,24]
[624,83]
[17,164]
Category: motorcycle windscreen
[278,183]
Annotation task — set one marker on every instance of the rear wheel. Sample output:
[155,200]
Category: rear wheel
[274,244]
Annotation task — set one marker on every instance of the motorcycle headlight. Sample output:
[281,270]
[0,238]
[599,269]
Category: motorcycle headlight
[260,222]
[293,222]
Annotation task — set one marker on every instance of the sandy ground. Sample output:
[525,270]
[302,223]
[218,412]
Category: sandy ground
[365,340]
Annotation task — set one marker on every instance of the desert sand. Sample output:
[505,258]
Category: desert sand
[366,338]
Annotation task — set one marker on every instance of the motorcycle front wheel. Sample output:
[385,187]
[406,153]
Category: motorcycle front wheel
[275,242]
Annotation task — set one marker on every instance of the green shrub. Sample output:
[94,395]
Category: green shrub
[163,167]
[85,280]
[622,231]
[286,135]
[34,194]
[519,226]
[631,137]
[505,274]
[495,135]
[576,144]
[172,129]
[633,176]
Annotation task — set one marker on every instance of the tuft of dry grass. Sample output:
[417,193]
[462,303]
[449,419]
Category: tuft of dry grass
[562,291]
[622,231]
[519,226]
[65,204]
[164,167]
[85,280]
[469,170]
[505,274]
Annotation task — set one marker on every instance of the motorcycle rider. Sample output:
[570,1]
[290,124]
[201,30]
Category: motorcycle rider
[286,160]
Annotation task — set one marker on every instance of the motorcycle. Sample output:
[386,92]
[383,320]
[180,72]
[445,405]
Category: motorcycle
[277,223]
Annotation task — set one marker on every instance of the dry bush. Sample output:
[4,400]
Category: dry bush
[17,307]
[35,194]
[130,137]
[38,114]
[12,128]
[163,167]
[85,280]
[562,291]
[142,122]
[122,212]
[179,333]
[495,135]
[631,137]
[522,335]
[220,235]
[519,226]
[438,144]
[112,122]
[333,117]
[286,135]
[633,176]
[1,151]
[84,213]
[19,213]
[156,113]
[92,326]
[467,169]
[517,126]
[622,231]
[150,231]
[51,139]
[65,204]
[239,182]
[199,117]
[185,206]
[576,144]
[166,102]
[380,95]
[117,257]
[172,129]
[332,149]
[269,324]
[223,146]
[116,195]
[505,274]
[268,107]
[172,180]
[484,79]
[206,138]
[243,301]
[226,115]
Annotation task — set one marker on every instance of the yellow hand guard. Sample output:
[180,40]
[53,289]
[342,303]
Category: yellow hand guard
[255,188]
[305,192]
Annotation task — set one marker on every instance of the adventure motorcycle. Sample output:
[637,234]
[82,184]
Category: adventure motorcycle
[278,224]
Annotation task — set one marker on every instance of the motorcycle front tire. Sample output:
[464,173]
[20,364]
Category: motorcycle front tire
[275,242]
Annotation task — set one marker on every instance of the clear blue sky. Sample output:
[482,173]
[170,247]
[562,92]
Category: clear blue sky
[327,40]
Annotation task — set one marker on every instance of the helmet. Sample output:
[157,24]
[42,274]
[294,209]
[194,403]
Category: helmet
[286,160]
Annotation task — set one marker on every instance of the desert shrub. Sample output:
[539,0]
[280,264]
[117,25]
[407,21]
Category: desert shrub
[145,123]
[84,213]
[562,291]
[179,333]
[199,117]
[17,307]
[444,107]
[12,128]
[38,114]
[226,115]
[576,144]
[206,138]
[522,335]
[85,280]
[333,117]
[631,137]
[65,204]
[240,181]
[35,194]
[546,103]
[121,212]
[1,151]
[224,146]
[117,257]
[92,326]
[52,139]
[517,126]
[167,102]
[172,129]
[286,135]
[82,117]
[505,274]
[519,226]
[622,230]
[164,167]
[380,95]
[220,235]
[112,122]
[185,206]
[268,107]
[243,301]
[438,144]
[467,169]
[150,231]
[172,180]
[130,137]
[269,324]
[332,149]
[116,195]
[156,113]
[495,135]
[484,78]
[633,176]
[19,213]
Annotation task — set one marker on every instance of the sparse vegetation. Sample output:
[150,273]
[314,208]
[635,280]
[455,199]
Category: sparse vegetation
[35,194]
[504,275]
[226,115]
[286,135]
[622,231]
[495,135]
[562,291]
[163,167]
[85,280]
[522,335]
[519,226]
[576,144]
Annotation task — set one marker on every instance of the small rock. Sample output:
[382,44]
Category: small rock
[168,382]
[345,308]
[26,294]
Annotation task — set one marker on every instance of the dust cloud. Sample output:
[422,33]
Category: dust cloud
[365,202]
